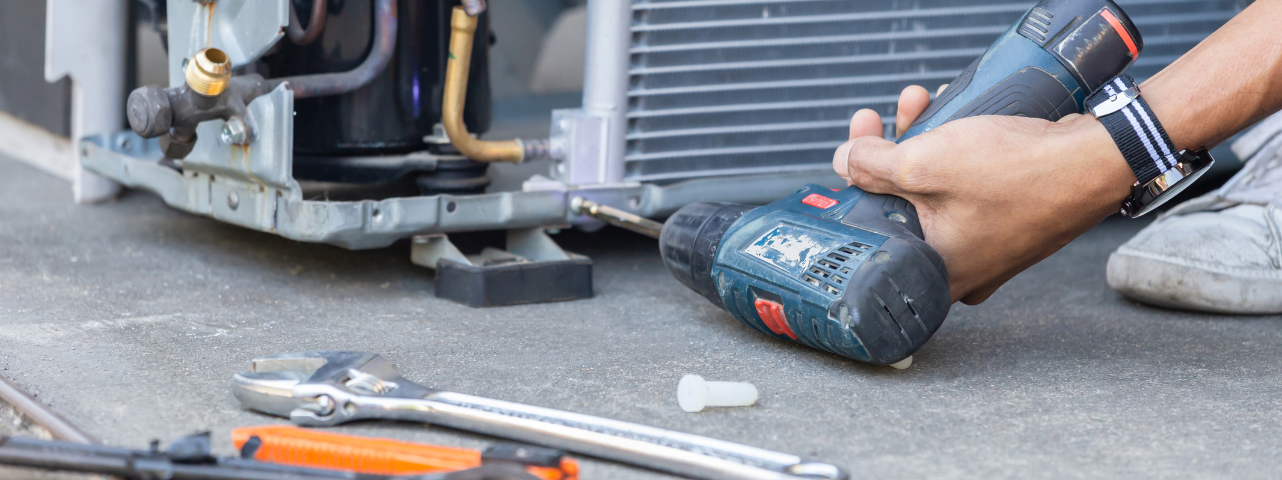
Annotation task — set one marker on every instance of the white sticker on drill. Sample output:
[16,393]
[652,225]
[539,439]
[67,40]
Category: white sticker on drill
[791,247]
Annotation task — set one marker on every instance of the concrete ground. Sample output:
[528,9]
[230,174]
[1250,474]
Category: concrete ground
[129,318]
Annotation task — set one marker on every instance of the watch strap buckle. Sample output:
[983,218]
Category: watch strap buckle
[1114,103]
[1144,197]
[1113,95]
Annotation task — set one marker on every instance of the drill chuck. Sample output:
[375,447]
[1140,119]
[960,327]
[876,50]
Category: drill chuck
[690,240]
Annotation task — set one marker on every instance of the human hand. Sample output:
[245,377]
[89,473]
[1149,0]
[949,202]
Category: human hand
[995,195]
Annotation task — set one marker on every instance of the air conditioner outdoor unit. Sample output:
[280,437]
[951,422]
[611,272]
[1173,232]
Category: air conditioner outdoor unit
[683,101]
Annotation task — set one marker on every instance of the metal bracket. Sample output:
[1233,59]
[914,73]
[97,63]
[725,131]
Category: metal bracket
[579,142]
[85,40]
[535,245]
[524,245]
[426,250]
[244,29]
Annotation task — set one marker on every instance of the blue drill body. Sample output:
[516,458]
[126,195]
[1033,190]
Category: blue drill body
[840,286]
[1015,76]
[848,271]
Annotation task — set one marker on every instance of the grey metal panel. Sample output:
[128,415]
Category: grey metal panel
[24,93]
[725,87]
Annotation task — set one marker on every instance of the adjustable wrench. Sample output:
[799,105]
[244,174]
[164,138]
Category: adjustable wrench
[329,388]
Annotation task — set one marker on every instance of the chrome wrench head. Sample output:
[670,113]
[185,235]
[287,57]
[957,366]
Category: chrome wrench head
[292,385]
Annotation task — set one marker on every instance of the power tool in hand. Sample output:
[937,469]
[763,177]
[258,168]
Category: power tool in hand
[849,272]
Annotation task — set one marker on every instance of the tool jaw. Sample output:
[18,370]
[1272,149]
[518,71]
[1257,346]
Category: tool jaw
[320,388]
[268,392]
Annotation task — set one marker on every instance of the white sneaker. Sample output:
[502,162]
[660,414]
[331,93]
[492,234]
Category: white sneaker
[1221,252]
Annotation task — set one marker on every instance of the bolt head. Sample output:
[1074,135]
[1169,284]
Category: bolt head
[233,200]
[234,132]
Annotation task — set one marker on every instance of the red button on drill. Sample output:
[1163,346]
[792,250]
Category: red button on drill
[771,314]
[817,200]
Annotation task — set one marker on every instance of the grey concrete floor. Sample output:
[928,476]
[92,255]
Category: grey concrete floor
[129,318]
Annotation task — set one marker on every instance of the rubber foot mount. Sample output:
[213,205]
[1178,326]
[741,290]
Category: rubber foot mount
[514,284]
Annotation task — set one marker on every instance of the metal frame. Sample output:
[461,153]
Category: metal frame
[253,185]
[259,191]
[85,40]
[596,134]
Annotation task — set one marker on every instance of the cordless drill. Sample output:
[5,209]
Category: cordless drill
[849,272]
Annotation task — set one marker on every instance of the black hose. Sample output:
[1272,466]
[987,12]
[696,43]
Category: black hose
[314,25]
[305,86]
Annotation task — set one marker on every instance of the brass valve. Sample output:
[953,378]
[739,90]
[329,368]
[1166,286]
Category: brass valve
[209,92]
[208,72]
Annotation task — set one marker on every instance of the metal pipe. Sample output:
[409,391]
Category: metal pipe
[462,31]
[314,25]
[605,80]
[59,427]
[616,217]
[305,86]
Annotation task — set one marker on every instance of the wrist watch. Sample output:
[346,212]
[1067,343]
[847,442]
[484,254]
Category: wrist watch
[1161,172]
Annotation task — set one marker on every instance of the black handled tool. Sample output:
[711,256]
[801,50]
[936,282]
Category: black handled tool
[190,459]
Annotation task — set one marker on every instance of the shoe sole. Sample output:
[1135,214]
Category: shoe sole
[1192,285]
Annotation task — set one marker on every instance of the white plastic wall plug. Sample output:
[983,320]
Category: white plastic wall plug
[693,394]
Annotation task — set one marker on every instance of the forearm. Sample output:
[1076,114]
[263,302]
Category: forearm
[1226,83]
[996,195]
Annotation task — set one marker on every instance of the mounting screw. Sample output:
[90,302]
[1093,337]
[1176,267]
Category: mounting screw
[233,200]
[234,132]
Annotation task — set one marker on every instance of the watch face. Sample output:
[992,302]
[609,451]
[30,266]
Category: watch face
[1174,190]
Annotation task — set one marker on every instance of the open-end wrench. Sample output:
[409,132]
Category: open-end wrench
[329,388]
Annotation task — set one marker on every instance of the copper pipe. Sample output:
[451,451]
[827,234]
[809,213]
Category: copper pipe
[314,24]
[59,427]
[380,54]
[463,29]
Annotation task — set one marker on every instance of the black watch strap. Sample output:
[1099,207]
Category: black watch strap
[1143,142]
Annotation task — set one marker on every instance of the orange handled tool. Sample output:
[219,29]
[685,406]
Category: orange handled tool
[309,448]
